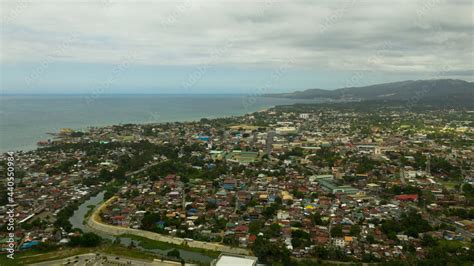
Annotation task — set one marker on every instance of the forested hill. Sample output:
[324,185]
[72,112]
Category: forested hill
[426,91]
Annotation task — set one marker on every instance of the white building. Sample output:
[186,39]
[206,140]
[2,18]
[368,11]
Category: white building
[285,130]
[304,116]
[339,242]
[234,260]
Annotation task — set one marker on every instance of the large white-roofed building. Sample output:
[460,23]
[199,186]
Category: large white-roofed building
[234,260]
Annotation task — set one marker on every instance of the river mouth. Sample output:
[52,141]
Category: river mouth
[77,221]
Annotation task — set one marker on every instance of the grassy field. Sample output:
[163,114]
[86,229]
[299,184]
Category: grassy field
[153,244]
[5,261]
[450,184]
[88,213]
[36,256]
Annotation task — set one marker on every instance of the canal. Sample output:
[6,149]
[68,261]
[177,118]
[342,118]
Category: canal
[77,221]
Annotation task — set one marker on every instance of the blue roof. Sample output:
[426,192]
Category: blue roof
[31,244]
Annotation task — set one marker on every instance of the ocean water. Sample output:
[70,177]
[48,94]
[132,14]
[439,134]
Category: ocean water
[26,119]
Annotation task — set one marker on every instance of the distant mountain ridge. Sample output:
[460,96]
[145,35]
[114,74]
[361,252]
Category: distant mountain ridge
[426,91]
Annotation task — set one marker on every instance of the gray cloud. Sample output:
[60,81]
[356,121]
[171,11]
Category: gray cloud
[337,35]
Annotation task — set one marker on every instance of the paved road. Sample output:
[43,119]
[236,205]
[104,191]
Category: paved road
[142,169]
[104,259]
[459,229]
[269,143]
[94,222]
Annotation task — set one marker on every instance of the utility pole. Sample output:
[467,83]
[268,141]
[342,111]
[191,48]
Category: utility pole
[330,236]
[236,203]
[184,198]
[428,165]
[402,173]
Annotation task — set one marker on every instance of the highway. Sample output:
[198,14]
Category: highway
[104,259]
[269,143]
[146,167]
[459,229]
[94,222]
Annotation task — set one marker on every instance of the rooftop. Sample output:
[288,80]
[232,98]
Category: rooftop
[233,260]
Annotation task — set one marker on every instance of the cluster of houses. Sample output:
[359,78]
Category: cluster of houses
[324,178]
[40,194]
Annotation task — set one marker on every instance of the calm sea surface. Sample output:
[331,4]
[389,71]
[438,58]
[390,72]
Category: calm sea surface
[26,119]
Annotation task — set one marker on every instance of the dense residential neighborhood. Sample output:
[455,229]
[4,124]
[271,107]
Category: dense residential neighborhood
[292,183]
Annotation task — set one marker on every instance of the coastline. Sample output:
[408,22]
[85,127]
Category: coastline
[23,128]
[36,146]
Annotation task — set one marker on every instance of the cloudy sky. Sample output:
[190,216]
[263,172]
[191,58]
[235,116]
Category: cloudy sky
[211,46]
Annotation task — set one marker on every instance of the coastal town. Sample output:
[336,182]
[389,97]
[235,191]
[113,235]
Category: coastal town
[300,183]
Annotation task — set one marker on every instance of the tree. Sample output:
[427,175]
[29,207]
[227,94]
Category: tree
[274,230]
[3,195]
[317,219]
[365,164]
[270,253]
[255,227]
[149,221]
[336,231]
[104,175]
[355,230]
[300,239]
[320,252]
[174,253]
[370,238]
[270,211]
[414,224]
[86,240]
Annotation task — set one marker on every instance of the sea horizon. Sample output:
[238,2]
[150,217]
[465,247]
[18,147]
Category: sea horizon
[121,93]
[27,118]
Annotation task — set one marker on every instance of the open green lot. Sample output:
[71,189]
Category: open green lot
[153,244]
[29,257]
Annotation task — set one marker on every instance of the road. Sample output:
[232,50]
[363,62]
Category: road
[104,259]
[95,223]
[459,229]
[269,143]
[142,169]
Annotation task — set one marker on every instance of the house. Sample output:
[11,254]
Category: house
[229,184]
[407,197]
[339,242]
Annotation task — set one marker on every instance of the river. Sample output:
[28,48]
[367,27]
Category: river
[77,222]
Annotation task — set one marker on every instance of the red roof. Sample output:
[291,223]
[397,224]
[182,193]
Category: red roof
[252,238]
[241,228]
[407,197]
[302,189]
